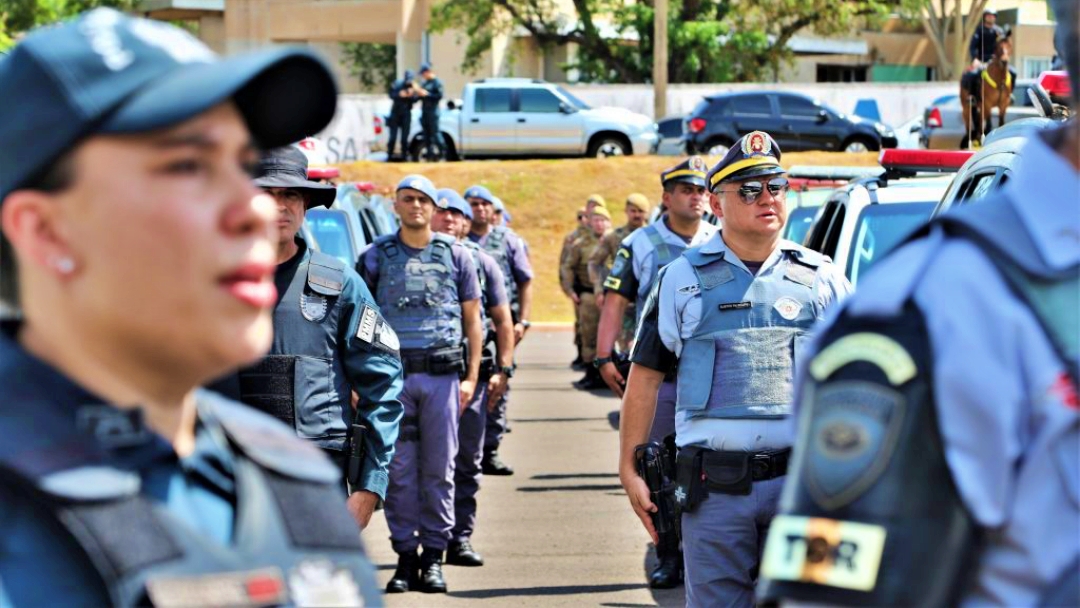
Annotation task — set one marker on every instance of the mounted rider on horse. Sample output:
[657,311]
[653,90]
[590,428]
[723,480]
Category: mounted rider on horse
[989,82]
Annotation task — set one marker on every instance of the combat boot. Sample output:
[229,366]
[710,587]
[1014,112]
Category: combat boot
[592,380]
[668,573]
[462,554]
[407,575]
[431,576]
[493,465]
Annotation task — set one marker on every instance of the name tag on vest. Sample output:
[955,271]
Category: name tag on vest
[265,587]
[735,306]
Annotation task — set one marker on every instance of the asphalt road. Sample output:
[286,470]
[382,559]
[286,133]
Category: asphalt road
[560,531]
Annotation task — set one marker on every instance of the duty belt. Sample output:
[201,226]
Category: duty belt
[436,362]
[699,471]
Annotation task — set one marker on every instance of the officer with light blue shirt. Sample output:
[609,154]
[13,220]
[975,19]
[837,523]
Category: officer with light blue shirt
[938,452]
[121,482]
[426,285]
[730,317]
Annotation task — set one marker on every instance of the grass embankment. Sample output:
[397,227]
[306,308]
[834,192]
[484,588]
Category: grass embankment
[544,195]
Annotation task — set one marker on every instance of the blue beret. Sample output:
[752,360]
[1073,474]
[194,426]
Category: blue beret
[480,192]
[106,72]
[498,204]
[450,199]
[420,184]
[756,154]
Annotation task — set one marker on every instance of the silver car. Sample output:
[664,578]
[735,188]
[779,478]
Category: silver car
[943,121]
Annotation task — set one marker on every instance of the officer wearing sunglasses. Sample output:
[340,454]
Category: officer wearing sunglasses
[731,317]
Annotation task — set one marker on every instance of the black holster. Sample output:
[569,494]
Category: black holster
[356,451]
[450,360]
[702,471]
[654,465]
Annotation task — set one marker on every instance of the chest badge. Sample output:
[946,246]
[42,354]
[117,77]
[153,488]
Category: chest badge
[314,306]
[789,308]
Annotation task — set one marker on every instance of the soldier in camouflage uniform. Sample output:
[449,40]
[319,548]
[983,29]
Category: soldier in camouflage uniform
[574,279]
[637,215]
[583,215]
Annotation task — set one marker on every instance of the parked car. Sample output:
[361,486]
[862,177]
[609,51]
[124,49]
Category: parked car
[795,121]
[671,136]
[527,118]
[866,219]
[943,121]
[811,186]
[983,173]
[335,233]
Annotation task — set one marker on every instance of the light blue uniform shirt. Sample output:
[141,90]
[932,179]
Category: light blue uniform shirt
[643,253]
[679,312]
[1008,416]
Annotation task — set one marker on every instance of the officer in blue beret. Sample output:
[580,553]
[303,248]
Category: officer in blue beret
[730,318]
[330,334]
[142,258]
[938,460]
[496,368]
[512,254]
[427,286]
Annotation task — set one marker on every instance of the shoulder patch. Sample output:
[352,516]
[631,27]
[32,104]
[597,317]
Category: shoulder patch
[880,350]
[366,331]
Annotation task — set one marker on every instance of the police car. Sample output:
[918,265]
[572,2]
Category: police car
[864,220]
[811,186]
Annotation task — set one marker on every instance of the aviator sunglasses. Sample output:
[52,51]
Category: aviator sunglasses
[750,191]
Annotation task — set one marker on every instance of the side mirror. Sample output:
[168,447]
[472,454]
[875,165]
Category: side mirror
[822,117]
[566,108]
[915,128]
[1041,100]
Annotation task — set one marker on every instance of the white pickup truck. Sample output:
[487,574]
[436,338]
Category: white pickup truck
[526,118]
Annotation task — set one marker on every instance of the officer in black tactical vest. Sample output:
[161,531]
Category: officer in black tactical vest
[142,257]
[329,340]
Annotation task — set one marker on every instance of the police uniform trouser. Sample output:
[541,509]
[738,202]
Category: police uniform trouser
[433,146]
[420,497]
[496,423]
[399,122]
[589,315]
[467,469]
[722,544]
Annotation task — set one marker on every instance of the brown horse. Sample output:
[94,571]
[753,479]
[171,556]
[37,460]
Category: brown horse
[994,86]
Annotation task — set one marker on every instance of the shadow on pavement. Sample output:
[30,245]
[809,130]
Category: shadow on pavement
[575,476]
[542,591]
[583,419]
[581,488]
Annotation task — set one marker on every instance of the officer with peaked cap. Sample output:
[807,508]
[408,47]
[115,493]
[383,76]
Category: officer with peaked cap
[730,318]
[329,332]
[123,483]
[496,368]
[575,282]
[939,422]
[638,261]
[637,215]
[512,254]
[427,287]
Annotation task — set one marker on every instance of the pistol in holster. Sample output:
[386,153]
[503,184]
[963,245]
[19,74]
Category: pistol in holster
[655,466]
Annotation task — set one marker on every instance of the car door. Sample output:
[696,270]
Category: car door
[753,113]
[804,126]
[491,127]
[544,128]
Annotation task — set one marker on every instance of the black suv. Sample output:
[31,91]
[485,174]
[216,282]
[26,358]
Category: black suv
[796,122]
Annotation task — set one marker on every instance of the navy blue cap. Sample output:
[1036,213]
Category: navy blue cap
[424,67]
[755,154]
[409,74]
[690,171]
[480,192]
[106,72]
[450,199]
[420,184]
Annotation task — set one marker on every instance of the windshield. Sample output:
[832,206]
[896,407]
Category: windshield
[581,105]
[798,223]
[331,230]
[880,228]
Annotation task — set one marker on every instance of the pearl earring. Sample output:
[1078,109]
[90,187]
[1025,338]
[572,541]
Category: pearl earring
[64,265]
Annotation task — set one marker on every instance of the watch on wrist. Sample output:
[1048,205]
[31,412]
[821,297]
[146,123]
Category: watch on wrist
[525,324]
[507,371]
[602,361]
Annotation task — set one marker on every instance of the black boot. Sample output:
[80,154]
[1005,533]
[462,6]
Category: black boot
[493,465]
[431,578]
[407,575]
[591,381]
[462,554]
[668,573]
[578,365]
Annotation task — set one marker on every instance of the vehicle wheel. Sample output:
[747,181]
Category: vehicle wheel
[717,148]
[607,147]
[859,145]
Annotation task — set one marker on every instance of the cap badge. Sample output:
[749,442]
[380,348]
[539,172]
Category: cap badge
[416,184]
[697,163]
[756,144]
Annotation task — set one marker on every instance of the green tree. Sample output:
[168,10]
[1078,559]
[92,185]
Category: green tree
[709,40]
[19,16]
[373,64]
[940,20]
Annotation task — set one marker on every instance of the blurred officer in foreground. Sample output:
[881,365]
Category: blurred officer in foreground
[638,261]
[731,317]
[427,287]
[403,94]
[329,333]
[637,215]
[939,423]
[496,369]
[121,483]
[579,231]
[512,254]
[575,283]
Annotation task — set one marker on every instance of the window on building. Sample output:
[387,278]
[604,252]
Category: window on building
[492,100]
[1033,66]
[841,73]
[539,101]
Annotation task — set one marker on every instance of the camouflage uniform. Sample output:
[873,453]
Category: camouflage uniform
[599,265]
[574,278]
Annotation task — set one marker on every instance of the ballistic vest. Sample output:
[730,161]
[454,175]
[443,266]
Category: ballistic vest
[739,361]
[293,543]
[664,253]
[302,382]
[474,252]
[418,294]
[495,246]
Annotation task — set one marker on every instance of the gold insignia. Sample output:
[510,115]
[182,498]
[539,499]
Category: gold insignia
[757,144]
[697,163]
[882,351]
